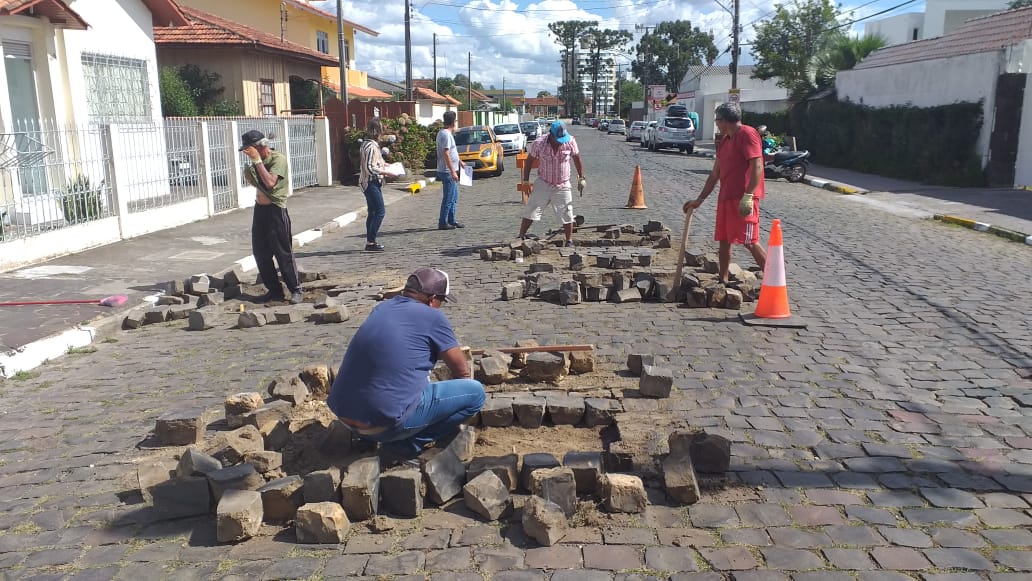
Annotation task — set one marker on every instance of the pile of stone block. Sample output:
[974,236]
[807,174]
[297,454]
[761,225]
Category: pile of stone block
[692,452]
[557,408]
[200,300]
[494,367]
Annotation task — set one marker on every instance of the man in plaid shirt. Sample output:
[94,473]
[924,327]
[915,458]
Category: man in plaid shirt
[553,179]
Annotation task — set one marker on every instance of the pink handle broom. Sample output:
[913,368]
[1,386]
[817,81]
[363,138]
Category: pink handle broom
[112,301]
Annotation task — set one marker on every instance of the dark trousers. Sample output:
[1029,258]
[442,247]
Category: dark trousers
[270,237]
[375,210]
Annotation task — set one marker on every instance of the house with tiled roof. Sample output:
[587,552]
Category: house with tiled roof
[431,105]
[983,60]
[704,87]
[255,67]
[302,23]
[72,63]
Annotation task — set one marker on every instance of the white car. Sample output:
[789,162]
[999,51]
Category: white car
[647,132]
[511,137]
[635,131]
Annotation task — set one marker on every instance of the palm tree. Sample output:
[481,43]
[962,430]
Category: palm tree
[843,53]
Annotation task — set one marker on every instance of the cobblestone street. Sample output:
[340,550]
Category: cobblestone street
[889,440]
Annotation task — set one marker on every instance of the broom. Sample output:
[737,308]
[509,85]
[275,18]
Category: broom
[111,301]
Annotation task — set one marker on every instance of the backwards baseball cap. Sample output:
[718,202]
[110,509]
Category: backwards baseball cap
[558,130]
[430,281]
[252,137]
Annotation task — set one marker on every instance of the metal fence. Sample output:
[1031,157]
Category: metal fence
[301,130]
[52,176]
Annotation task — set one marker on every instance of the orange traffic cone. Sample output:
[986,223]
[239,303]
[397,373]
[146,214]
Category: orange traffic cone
[636,201]
[773,301]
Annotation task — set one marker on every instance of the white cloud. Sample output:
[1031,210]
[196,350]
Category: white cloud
[510,40]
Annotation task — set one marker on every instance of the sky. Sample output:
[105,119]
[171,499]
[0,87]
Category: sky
[509,42]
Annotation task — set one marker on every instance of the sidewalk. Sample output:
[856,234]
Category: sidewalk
[1003,212]
[29,335]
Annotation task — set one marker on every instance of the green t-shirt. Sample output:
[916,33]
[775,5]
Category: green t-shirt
[276,164]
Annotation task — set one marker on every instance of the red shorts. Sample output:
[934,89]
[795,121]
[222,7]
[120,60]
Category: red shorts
[732,227]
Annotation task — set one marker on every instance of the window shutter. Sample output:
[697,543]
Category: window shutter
[14,49]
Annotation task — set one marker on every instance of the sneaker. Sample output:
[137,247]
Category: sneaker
[446,227]
[269,297]
[390,459]
[296,297]
[569,244]
[374,247]
[459,225]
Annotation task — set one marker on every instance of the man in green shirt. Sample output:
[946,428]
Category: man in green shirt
[270,228]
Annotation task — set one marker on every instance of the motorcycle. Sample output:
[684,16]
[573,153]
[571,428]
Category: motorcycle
[790,165]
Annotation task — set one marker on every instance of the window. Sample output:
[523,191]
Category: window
[322,42]
[347,55]
[267,97]
[913,35]
[117,88]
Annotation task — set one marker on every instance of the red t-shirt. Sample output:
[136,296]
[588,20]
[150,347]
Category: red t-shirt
[733,155]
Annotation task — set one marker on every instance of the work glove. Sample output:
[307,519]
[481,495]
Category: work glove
[252,154]
[581,184]
[745,207]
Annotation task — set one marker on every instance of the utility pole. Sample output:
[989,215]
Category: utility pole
[734,49]
[435,62]
[503,94]
[342,61]
[469,79]
[645,66]
[408,50]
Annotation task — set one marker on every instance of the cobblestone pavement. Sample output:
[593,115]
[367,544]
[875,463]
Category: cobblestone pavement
[890,440]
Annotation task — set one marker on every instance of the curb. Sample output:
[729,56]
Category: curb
[810,181]
[1012,235]
[32,355]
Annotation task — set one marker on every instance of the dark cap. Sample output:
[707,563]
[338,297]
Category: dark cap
[430,281]
[252,137]
[558,131]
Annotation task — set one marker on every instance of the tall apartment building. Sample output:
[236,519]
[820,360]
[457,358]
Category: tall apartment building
[604,87]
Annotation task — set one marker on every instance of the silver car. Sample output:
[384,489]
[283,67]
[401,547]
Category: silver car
[635,131]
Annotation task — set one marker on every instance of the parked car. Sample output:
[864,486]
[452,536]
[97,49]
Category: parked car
[479,148]
[635,130]
[531,130]
[594,121]
[511,137]
[646,133]
[576,121]
[616,126]
[603,124]
[675,132]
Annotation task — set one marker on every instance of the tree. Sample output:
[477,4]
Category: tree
[843,54]
[600,43]
[787,44]
[206,89]
[629,92]
[568,34]
[176,100]
[1019,4]
[665,54]
[542,94]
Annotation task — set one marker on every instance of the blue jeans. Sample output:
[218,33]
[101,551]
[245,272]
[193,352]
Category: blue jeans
[375,210]
[445,405]
[449,199]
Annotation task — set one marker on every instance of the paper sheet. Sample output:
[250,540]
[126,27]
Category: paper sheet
[397,168]
[466,175]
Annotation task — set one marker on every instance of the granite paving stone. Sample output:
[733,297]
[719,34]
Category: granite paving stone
[612,557]
[671,559]
[797,538]
[403,562]
[586,574]
[520,575]
[791,559]
[759,576]
[293,568]
[492,559]
[554,557]
[729,559]
[753,537]
[854,536]
[951,498]
[628,536]
[1003,517]
[1009,537]
[900,558]
[854,559]
[956,538]
[955,558]
[1019,560]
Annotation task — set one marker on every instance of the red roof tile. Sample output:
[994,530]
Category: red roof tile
[57,11]
[363,92]
[208,30]
[985,34]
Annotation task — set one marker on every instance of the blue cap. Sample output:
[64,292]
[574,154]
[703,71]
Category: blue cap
[558,131]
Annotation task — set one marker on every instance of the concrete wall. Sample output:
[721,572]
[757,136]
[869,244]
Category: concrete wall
[942,16]
[970,78]
[711,90]
[897,29]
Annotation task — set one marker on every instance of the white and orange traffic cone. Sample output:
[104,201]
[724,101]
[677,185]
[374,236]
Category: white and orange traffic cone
[772,308]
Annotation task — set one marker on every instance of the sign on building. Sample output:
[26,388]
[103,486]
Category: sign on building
[734,95]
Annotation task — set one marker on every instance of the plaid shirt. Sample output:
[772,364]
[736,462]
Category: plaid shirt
[554,162]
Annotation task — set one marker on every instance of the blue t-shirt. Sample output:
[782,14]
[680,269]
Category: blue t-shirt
[387,365]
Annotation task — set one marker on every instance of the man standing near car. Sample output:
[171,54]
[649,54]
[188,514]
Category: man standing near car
[448,167]
[739,169]
[270,227]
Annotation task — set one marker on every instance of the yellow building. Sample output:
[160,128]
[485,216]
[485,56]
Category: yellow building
[298,22]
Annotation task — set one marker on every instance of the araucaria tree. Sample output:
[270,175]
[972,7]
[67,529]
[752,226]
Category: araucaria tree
[568,34]
[664,55]
[600,43]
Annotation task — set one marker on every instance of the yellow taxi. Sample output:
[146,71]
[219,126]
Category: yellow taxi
[479,148]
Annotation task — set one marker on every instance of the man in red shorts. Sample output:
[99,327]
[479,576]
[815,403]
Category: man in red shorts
[739,167]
